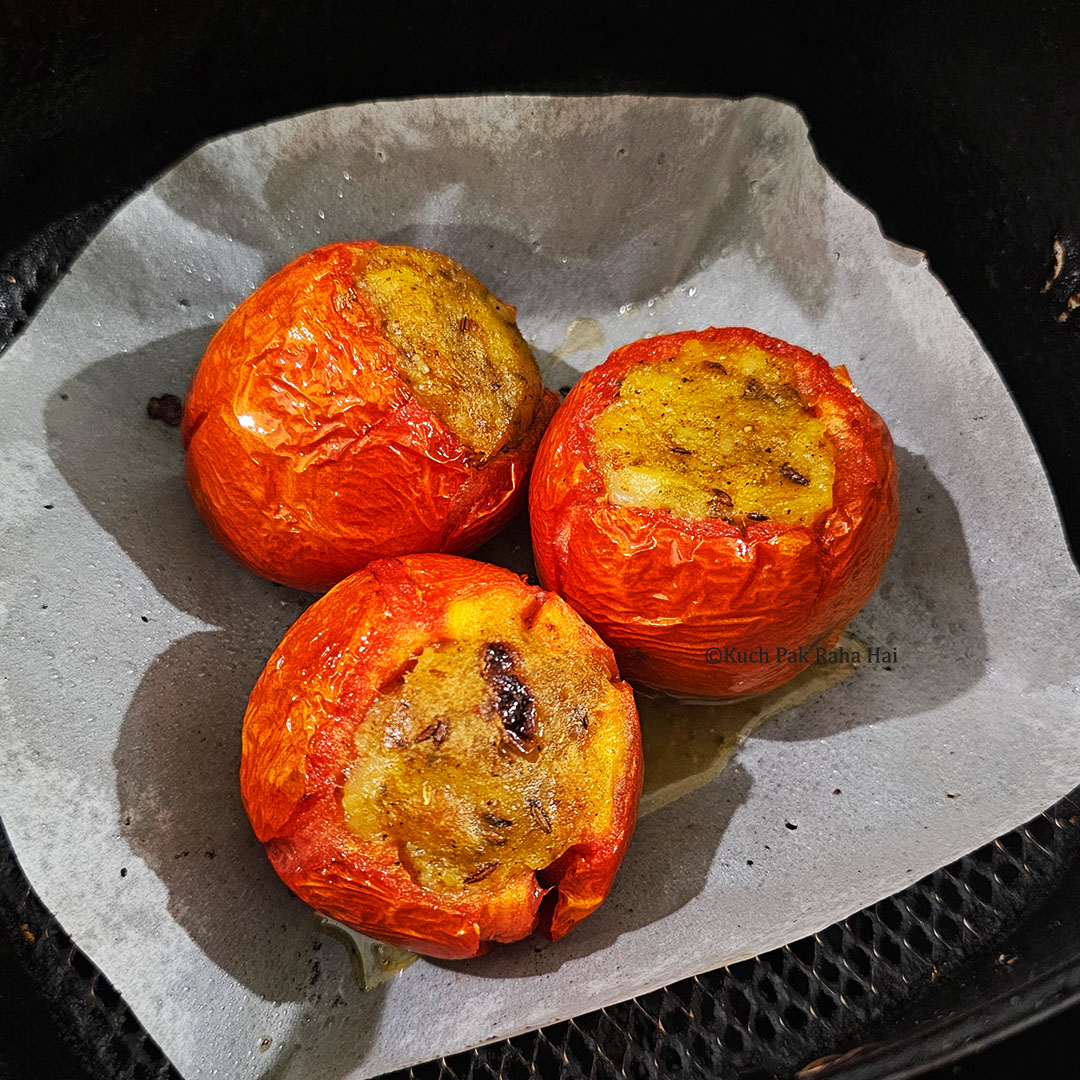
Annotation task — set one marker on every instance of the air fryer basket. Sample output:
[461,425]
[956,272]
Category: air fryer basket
[767,1017]
[960,134]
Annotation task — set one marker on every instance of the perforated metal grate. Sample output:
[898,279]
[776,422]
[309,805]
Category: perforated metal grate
[771,1015]
[760,1018]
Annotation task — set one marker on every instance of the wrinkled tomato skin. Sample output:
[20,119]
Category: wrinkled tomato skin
[299,739]
[307,454]
[663,590]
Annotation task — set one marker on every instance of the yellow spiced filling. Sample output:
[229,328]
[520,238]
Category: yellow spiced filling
[491,752]
[458,346]
[716,431]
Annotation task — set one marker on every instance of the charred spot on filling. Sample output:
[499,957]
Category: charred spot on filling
[716,431]
[514,701]
[457,346]
[436,732]
[481,872]
[489,752]
[789,473]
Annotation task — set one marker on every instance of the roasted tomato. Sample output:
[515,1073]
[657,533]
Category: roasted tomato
[443,757]
[717,505]
[365,401]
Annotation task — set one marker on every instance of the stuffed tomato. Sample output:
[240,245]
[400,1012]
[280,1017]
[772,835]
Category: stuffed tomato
[443,757]
[718,505]
[367,400]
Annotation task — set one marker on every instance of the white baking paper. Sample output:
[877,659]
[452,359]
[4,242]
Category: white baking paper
[129,641]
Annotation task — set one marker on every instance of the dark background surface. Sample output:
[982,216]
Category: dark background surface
[959,126]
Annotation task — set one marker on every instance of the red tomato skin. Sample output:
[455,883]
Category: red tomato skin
[297,746]
[305,451]
[663,590]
